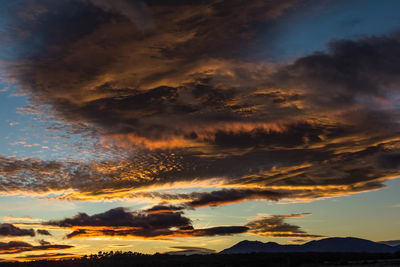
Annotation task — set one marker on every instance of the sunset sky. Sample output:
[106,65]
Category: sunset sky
[154,125]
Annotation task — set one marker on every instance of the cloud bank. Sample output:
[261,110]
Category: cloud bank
[13,247]
[166,222]
[154,223]
[179,101]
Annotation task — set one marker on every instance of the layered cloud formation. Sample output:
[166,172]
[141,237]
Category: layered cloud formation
[177,95]
[159,222]
[165,222]
[275,226]
[19,246]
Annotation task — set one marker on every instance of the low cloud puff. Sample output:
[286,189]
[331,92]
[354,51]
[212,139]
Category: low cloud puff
[7,229]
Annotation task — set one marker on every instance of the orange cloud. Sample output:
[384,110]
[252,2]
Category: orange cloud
[13,247]
[158,222]
[47,256]
[197,110]
[166,222]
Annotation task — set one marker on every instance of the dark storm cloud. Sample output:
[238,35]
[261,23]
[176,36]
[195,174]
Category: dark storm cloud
[7,229]
[177,53]
[142,224]
[197,110]
[389,160]
[349,71]
[37,27]
[19,246]
[294,135]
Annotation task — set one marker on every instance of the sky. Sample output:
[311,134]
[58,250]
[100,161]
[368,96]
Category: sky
[154,126]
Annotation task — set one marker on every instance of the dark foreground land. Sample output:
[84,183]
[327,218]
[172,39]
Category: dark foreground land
[255,259]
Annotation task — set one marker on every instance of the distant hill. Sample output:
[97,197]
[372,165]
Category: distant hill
[334,244]
[257,246]
[348,244]
[392,243]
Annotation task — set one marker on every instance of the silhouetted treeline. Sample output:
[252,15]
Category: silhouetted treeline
[134,259]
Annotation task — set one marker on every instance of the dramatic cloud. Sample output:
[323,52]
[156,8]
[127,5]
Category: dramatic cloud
[226,196]
[155,223]
[7,229]
[214,198]
[275,226]
[176,101]
[18,246]
[352,72]
[162,222]
[122,217]
[236,195]
[181,48]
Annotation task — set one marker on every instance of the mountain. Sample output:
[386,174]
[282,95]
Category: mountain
[334,244]
[246,246]
[347,244]
[392,243]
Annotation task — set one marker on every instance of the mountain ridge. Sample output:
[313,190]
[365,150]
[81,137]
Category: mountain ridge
[332,244]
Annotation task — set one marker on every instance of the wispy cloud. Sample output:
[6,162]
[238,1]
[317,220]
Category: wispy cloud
[20,219]
[47,256]
[13,247]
